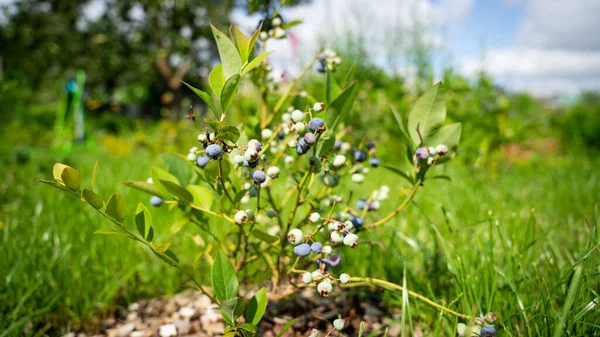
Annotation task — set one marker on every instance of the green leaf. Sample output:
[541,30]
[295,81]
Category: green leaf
[150,234]
[400,122]
[332,88]
[159,174]
[179,167]
[57,171]
[202,196]
[110,232]
[216,79]
[143,220]
[230,58]
[93,183]
[116,207]
[171,255]
[177,191]
[286,327]
[162,248]
[441,177]
[253,39]
[291,24]
[572,294]
[247,327]
[255,62]
[428,112]
[229,91]
[242,42]
[205,97]
[71,178]
[326,142]
[262,235]
[232,309]
[145,187]
[229,133]
[257,306]
[401,173]
[52,183]
[224,279]
[341,105]
[448,135]
[92,198]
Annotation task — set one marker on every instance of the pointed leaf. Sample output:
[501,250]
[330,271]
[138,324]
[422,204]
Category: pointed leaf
[159,174]
[179,167]
[52,183]
[326,142]
[216,79]
[229,90]
[110,232]
[400,122]
[145,187]
[448,135]
[230,58]
[116,207]
[201,195]
[242,42]
[70,177]
[291,24]
[143,220]
[205,97]
[232,309]
[428,112]
[341,105]
[286,327]
[332,88]
[229,133]
[224,279]
[92,198]
[162,247]
[257,306]
[255,62]
[177,191]
[93,183]
[248,327]
[253,39]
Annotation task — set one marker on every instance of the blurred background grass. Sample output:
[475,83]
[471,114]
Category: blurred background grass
[507,234]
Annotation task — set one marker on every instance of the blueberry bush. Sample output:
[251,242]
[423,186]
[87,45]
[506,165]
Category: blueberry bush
[265,193]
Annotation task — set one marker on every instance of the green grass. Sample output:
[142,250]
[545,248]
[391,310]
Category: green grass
[533,261]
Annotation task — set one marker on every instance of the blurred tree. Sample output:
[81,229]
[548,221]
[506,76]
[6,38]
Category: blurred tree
[149,44]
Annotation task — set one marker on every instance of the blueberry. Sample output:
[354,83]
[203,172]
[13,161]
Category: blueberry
[302,142]
[310,138]
[156,201]
[422,153]
[330,180]
[323,261]
[361,204]
[202,161]
[321,68]
[334,260]
[250,164]
[315,123]
[259,177]
[370,145]
[316,247]
[214,151]
[360,156]
[300,150]
[487,331]
[302,250]
[338,144]
[374,162]
[357,222]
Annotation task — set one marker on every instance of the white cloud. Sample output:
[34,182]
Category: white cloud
[556,50]
[382,26]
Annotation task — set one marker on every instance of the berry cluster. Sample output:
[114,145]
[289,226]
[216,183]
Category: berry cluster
[479,327]
[427,156]
[272,27]
[328,60]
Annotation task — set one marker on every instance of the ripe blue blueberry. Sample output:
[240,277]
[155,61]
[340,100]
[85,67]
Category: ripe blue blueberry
[487,331]
[360,156]
[302,142]
[259,177]
[310,138]
[315,123]
[214,151]
[361,204]
[338,144]
[202,161]
[316,247]
[156,201]
[357,222]
[374,162]
[370,145]
[334,260]
[250,164]
[300,150]
[302,250]
[422,153]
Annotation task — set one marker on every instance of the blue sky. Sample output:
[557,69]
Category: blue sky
[546,47]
